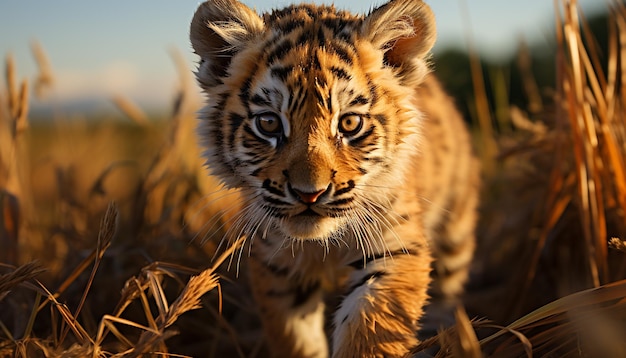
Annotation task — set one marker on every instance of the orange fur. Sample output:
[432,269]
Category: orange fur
[354,168]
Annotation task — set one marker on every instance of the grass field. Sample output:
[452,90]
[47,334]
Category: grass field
[109,227]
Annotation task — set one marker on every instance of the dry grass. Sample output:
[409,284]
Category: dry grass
[102,224]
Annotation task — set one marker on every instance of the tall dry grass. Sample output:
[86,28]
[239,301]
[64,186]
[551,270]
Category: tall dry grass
[83,222]
[554,204]
[101,232]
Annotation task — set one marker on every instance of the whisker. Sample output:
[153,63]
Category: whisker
[382,214]
[216,225]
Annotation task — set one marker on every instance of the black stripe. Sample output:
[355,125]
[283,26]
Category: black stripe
[376,160]
[279,51]
[267,185]
[329,103]
[343,54]
[340,73]
[372,276]
[302,95]
[216,133]
[235,121]
[282,72]
[345,36]
[303,39]
[381,118]
[362,262]
[253,162]
[316,63]
[275,201]
[341,201]
[319,97]
[335,25]
[249,130]
[347,189]
[221,103]
[244,92]
[360,99]
[373,89]
[252,144]
[277,271]
[289,26]
[358,140]
[259,100]
[303,294]
[321,37]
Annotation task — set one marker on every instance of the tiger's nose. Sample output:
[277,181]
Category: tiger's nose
[308,197]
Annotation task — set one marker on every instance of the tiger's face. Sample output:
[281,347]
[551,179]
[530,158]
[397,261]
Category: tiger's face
[309,114]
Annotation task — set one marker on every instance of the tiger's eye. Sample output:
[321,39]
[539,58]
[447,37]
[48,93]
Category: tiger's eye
[350,124]
[269,124]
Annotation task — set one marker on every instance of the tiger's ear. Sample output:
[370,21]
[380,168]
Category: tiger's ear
[405,31]
[219,29]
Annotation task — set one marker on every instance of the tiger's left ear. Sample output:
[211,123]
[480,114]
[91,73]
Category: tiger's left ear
[405,31]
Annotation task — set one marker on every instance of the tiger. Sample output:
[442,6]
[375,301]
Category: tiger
[355,169]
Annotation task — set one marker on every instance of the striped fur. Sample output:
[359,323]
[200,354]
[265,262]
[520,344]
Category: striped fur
[352,164]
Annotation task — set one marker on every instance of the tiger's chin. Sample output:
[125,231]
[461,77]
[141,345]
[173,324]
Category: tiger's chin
[311,227]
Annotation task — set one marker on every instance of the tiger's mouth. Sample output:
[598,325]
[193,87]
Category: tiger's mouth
[309,212]
[310,225]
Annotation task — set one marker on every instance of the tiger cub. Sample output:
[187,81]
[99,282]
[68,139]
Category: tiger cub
[353,165]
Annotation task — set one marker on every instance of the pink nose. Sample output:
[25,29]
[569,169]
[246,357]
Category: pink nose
[308,198]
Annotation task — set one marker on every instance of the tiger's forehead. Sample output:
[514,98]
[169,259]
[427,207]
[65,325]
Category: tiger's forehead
[310,44]
[307,28]
[311,63]
[302,16]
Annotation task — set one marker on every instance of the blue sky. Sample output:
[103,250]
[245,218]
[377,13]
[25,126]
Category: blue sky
[101,48]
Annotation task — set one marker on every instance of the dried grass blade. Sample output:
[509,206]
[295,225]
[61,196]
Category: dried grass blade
[109,321]
[554,212]
[21,117]
[131,110]
[467,344]
[7,332]
[594,51]
[79,332]
[183,104]
[105,235]
[584,140]
[45,77]
[190,297]
[188,300]
[21,274]
[610,294]
[617,244]
[10,73]
[108,227]
[154,283]
[33,315]
[145,304]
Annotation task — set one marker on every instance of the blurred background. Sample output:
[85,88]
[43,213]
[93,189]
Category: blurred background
[98,49]
[98,105]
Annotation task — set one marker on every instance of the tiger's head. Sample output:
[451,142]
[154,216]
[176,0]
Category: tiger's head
[310,110]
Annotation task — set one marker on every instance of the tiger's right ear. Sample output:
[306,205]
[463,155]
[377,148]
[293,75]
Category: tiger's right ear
[219,29]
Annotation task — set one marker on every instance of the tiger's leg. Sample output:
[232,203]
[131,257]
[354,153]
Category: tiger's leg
[453,248]
[379,314]
[292,310]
